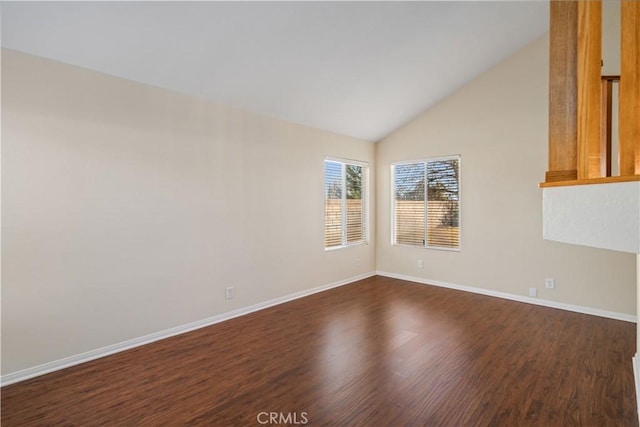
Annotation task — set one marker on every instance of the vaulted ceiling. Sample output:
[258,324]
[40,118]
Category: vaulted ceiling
[355,68]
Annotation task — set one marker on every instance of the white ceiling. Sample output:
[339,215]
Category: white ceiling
[355,68]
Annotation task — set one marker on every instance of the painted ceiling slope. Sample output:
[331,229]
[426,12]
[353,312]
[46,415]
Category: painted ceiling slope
[355,68]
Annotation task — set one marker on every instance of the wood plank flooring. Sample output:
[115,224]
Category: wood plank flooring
[379,352]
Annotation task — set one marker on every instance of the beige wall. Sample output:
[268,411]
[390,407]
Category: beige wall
[611,37]
[498,124]
[128,209]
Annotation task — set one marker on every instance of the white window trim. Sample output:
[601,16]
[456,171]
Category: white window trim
[393,201]
[366,179]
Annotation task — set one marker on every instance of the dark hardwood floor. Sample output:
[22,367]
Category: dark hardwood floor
[379,352]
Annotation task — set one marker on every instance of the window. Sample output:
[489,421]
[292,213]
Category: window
[345,210]
[426,203]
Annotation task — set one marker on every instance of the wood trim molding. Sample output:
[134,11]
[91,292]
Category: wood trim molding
[604,180]
[555,176]
[629,121]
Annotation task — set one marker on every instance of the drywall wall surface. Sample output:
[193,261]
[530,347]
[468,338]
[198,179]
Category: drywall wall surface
[601,215]
[498,123]
[611,37]
[128,210]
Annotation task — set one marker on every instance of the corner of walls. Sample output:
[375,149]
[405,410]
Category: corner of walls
[498,124]
[636,381]
[636,361]
[638,301]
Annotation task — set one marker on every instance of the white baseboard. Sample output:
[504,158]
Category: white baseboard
[67,362]
[636,380]
[514,297]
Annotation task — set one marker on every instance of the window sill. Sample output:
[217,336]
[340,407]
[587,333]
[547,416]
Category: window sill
[436,248]
[334,248]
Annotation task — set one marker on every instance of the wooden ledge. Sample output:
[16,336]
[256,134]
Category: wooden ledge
[607,180]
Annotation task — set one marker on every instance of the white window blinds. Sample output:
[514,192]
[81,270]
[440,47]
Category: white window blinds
[344,208]
[426,203]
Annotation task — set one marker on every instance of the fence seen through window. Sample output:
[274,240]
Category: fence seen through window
[344,209]
[426,203]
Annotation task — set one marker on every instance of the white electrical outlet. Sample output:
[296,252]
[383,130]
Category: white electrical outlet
[533,292]
[420,263]
[550,283]
[229,292]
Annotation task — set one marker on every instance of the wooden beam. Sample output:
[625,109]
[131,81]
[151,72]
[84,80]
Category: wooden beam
[629,122]
[563,43]
[589,58]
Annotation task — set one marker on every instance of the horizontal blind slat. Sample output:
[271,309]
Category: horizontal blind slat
[426,194]
[409,208]
[443,203]
[345,188]
[333,204]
